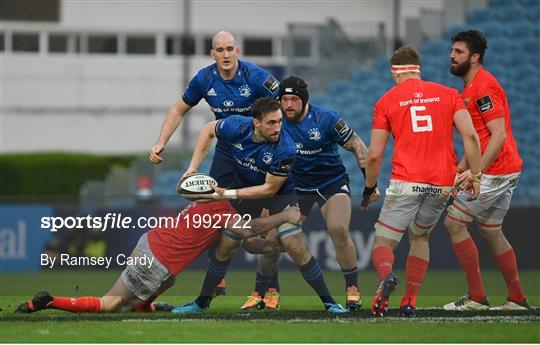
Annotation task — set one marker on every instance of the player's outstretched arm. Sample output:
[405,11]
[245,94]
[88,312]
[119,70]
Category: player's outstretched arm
[170,124]
[202,146]
[358,149]
[254,227]
[271,186]
[471,144]
[379,138]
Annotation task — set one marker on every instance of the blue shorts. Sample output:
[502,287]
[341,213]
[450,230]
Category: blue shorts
[307,198]
[274,204]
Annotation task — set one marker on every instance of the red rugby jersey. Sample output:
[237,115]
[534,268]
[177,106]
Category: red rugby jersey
[420,115]
[177,247]
[486,101]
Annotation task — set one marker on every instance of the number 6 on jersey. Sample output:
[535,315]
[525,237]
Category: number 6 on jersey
[416,118]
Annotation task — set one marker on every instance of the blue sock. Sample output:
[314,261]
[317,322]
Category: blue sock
[274,283]
[351,276]
[261,284]
[215,272]
[313,276]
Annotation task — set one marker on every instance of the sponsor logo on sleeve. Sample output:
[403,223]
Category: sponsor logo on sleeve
[484,104]
[284,167]
[271,84]
[342,128]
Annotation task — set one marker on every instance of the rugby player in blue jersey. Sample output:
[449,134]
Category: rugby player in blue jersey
[263,158]
[229,86]
[319,177]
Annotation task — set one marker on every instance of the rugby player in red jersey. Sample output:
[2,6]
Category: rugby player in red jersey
[420,115]
[501,166]
[172,249]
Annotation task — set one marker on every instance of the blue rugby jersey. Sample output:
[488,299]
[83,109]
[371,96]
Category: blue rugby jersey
[231,97]
[318,163]
[252,161]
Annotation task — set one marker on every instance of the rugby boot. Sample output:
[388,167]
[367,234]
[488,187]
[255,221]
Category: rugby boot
[40,301]
[335,308]
[254,301]
[465,303]
[188,308]
[511,305]
[271,299]
[407,309]
[162,306]
[379,306]
[353,298]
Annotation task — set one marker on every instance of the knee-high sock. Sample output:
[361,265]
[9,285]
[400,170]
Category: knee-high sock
[383,260]
[467,255]
[77,305]
[313,276]
[215,272]
[351,277]
[416,271]
[262,283]
[274,283]
[508,266]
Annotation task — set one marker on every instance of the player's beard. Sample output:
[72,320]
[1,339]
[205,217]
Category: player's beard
[296,117]
[461,69]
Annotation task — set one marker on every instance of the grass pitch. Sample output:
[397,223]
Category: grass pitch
[300,319]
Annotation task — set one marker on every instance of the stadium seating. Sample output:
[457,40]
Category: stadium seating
[513,37]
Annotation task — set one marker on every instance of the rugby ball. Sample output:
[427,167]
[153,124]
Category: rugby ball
[193,185]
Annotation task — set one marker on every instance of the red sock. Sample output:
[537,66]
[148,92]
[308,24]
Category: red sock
[467,255]
[508,266]
[383,260]
[145,307]
[77,305]
[416,271]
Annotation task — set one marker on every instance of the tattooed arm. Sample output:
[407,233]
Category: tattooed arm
[358,148]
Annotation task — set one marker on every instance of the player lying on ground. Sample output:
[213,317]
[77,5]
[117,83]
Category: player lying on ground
[172,248]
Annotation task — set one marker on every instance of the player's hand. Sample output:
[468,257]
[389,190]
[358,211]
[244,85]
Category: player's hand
[462,180]
[155,152]
[189,171]
[370,194]
[474,190]
[293,215]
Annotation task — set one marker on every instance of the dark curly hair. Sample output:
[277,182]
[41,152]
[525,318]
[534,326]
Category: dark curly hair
[475,41]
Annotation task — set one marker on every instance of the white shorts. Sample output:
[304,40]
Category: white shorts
[491,206]
[143,281]
[409,204]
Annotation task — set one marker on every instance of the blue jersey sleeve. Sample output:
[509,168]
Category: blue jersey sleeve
[283,161]
[267,84]
[194,92]
[338,130]
[232,128]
